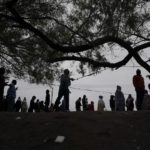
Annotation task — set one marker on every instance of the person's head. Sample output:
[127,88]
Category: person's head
[14,82]
[112,96]
[2,70]
[138,72]
[92,102]
[100,97]
[129,96]
[19,98]
[84,96]
[79,98]
[118,88]
[33,98]
[24,99]
[66,72]
[37,100]
[47,91]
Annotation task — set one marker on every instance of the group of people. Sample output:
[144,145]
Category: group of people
[117,101]
[84,103]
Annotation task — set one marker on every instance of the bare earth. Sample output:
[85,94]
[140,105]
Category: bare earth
[82,131]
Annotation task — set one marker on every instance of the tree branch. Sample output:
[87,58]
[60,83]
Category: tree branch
[66,49]
[93,62]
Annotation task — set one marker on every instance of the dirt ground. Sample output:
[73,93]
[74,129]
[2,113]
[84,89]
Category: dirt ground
[82,131]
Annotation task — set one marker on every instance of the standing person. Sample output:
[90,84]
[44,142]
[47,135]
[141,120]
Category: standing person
[18,104]
[37,106]
[148,76]
[91,106]
[11,95]
[65,82]
[2,85]
[78,104]
[129,103]
[24,106]
[32,104]
[85,103]
[138,83]
[42,106]
[47,100]
[101,104]
[112,102]
[146,101]
[119,100]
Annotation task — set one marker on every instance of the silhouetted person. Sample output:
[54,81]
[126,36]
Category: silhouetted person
[119,100]
[47,100]
[32,104]
[24,106]
[2,85]
[138,83]
[11,95]
[78,104]
[37,106]
[112,102]
[146,101]
[149,83]
[84,103]
[101,104]
[18,104]
[42,106]
[91,106]
[129,103]
[65,82]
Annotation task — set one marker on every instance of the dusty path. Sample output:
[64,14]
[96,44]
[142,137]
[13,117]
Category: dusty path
[83,131]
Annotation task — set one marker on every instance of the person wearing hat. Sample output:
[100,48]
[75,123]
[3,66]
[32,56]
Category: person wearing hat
[138,82]
[65,82]
[101,104]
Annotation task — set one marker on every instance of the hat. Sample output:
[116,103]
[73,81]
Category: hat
[100,96]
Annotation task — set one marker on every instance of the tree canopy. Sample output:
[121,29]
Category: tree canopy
[38,35]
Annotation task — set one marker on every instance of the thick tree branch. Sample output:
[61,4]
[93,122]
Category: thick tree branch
[142,46]
[73,49]
[93,62]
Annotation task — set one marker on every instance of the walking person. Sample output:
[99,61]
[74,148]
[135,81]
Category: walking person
[112,102]
[11,95]
[129,103]
[24,106]
[101,104]
[138,82]
[47,100]
[78,104]
[119,100]
[65,82]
